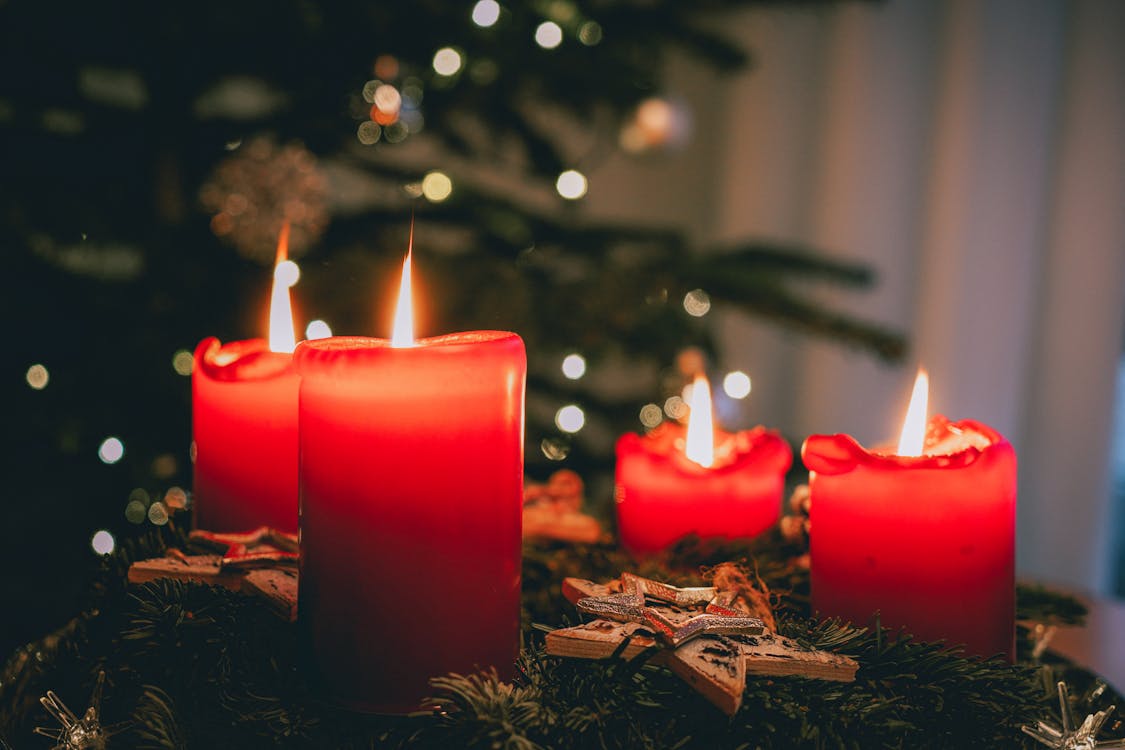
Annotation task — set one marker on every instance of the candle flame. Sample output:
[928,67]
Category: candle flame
[914,426]
[403,333]
[700,442]
[282,336]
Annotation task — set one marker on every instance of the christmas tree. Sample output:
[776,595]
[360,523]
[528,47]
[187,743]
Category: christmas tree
[153,151]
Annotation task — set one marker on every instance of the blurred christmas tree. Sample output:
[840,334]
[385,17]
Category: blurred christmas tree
[151,152]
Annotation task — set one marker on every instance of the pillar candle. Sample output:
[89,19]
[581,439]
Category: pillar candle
[663,495]
[244,421]
[927,541]
[411,497]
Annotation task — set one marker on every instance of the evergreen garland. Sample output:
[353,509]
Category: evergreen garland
[193,665]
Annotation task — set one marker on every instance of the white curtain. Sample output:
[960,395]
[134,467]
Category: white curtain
[971,152]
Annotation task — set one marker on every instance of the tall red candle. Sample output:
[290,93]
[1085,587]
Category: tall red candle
[411,494]
[244,424]
[663,495]
[928,541]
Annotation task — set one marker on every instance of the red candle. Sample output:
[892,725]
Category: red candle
[673,482]
[925,536]
[411,495]
[244,423]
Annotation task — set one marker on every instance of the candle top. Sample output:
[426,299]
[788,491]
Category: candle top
[732,450]
[947,444]
[325,355]
[240,360]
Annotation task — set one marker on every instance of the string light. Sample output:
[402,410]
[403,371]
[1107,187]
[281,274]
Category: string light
[590,33]
[571,184]
[697,303]
[486,13]
[111,450]
[182,362]
[570,418]
[287,273]
[102,542]
[548,35]
[317,329]
[675,407]
[736,384]
[437,186]
[651,415]
[574,366]
[447,61]
[38,377]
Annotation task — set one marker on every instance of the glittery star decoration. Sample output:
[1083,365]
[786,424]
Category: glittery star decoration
[86,733]
[676,619]
[263,546]
[1067,737]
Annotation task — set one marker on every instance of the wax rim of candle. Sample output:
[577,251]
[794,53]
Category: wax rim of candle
[241,361]
[839,454]
[312,354]
[733,451]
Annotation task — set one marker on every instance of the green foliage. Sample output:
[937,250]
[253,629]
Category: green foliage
[193,666]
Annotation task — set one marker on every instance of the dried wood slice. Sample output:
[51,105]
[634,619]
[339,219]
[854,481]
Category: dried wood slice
[278,587]
[600,639]
[203,568]
[576,589]
[712,665]
[777,656]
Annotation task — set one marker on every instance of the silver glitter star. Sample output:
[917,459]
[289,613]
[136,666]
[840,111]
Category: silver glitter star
[674,614]
[86,733]
[1066,737]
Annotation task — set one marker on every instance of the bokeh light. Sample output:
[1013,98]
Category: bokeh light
[102,542]
[590,33]
[486,13]
[574,366]
[570,418]
[287,273]
[369,132]
[437,186]
[675,407]
[317,329]
[136,512]
[176,498]
[548,35]
[111,450]
[651,415]
[571,184]
[555,448]
[182,362]
[447,61]
[158,513]
[736,384]
[38,377]
[697,302]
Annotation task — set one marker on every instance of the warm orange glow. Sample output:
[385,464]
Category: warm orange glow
[403,334]
[282,336]
[700,442]
[914,426]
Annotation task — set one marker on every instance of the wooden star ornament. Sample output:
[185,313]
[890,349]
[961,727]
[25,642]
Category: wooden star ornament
[638,616]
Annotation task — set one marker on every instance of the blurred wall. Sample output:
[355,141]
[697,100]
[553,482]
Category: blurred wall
[973,153]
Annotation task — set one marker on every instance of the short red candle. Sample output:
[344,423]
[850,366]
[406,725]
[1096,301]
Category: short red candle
[928,541]
[663,496]
[244,422]
[411,494]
